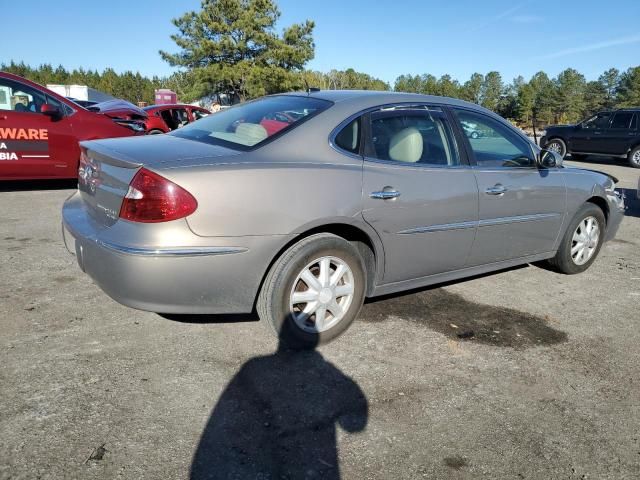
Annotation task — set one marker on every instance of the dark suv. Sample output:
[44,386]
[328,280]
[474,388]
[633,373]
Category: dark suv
[610,133]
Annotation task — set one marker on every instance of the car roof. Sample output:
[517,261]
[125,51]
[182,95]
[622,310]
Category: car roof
[364,99]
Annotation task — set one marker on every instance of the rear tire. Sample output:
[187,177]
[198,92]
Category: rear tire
[557,145]
[325,273]
[580,237]
[634,157]
[155,132]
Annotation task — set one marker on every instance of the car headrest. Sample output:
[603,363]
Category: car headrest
[406,145]
[251,133]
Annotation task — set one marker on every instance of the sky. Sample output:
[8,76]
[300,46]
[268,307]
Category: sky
[384,39]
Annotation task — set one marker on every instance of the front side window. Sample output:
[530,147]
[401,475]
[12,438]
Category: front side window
[248,125]
[20,98]
[493,143]
[415,136]
[622,120]
[601,120]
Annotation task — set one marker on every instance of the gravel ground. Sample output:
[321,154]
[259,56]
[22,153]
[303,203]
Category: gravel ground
[548,386]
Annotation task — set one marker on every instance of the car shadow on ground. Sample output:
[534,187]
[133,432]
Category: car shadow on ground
[28,185]
[463,320]
[277,418]
[442,311]
[211,318]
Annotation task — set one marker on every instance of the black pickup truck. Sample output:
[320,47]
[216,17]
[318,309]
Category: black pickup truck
[613,133]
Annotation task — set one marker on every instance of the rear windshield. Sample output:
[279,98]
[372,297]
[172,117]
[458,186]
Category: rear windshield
[250,124]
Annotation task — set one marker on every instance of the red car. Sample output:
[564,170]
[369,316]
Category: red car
[40,130]
[164,118]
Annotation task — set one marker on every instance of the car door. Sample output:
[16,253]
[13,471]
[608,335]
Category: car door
[588,136]
[620,134]
[521,207]
[419,193]
[33,144]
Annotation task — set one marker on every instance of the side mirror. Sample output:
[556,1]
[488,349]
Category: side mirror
[549,159]
[50,111]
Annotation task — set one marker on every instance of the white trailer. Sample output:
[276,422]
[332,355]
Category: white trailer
[80,92]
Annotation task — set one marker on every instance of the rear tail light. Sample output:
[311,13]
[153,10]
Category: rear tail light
[152,198]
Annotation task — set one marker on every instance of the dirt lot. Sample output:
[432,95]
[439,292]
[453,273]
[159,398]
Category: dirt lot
[548,386]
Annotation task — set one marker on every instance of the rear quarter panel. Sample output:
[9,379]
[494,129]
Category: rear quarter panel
[270,198]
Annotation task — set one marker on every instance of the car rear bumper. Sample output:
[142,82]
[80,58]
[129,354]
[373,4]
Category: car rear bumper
[195,275]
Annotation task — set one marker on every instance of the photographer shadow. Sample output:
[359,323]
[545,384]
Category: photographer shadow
[277,418]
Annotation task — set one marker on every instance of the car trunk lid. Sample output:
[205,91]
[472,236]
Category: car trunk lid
[108,166]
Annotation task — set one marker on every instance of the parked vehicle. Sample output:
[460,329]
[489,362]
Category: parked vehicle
[366,194]
[164,118]
[40,130]
[471,130]
[609,133]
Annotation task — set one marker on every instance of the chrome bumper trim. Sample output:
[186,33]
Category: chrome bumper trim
[171,251]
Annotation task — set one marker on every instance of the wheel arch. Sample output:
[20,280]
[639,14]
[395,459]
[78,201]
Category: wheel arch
[361,235]
[602,204]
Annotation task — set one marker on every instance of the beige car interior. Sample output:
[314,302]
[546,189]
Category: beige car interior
[247,134]
[406,145]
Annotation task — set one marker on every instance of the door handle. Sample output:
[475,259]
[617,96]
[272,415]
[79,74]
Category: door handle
[385,194]
[3,117]
[496,190]
[597,133]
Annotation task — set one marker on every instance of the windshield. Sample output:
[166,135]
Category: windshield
[247,125]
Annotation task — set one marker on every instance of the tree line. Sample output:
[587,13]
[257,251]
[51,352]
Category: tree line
[127,85]
[568,97]
[233,47]
[137,88]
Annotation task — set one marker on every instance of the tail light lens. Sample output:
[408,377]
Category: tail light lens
[152,198]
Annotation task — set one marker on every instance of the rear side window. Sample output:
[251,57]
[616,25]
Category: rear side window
[493,143]
[349,137]
[250,124]
[413,137]
[622,120]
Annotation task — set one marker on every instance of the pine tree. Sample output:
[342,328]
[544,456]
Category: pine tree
[232,46]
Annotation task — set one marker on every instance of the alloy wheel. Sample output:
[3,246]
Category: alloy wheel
[585,240]
[635,158]
[556,147]
[321,294]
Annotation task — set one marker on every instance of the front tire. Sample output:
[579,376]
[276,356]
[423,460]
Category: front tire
[581,242]
[314,291]
[557,145]
[634,157]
